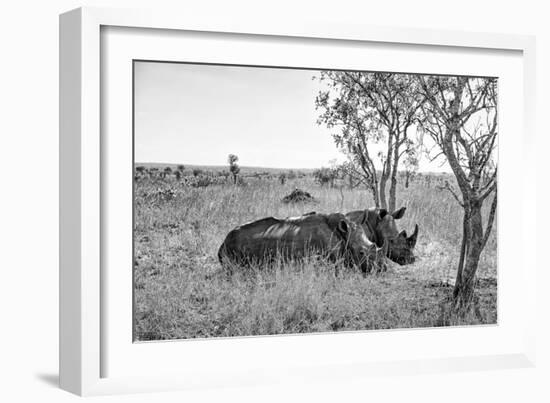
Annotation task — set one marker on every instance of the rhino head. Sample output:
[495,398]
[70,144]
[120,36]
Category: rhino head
[381,229]
[400,248]
[364,253]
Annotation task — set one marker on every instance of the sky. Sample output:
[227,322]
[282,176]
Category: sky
[198,114]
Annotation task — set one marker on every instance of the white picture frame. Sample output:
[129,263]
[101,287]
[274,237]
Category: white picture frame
[83,295]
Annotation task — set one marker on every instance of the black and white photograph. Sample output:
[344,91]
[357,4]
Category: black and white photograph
[274,200]
[262,202]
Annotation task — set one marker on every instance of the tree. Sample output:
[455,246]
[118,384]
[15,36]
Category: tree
[178,172]
[368,109]
[233,167]
[460,114]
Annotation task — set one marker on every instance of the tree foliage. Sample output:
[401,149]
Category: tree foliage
[368,109]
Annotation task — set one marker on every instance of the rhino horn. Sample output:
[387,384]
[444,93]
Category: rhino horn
[412,239]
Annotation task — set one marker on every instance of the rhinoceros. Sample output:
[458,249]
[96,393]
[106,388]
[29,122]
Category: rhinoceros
[332,236]
[380,228]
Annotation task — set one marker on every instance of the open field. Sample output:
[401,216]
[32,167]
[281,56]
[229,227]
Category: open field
[181,291]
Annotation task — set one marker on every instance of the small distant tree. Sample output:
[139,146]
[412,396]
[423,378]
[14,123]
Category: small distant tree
[197,172]
[167,171]
[282,178]
[180,168]
[233,166]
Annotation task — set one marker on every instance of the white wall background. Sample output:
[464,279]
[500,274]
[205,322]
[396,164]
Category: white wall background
[29,201]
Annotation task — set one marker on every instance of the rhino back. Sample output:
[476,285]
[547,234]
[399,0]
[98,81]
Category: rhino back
[290,238]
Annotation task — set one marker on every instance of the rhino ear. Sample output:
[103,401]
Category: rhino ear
[397,214]
[343,227]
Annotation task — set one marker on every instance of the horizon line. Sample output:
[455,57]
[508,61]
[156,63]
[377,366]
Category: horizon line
[266,167]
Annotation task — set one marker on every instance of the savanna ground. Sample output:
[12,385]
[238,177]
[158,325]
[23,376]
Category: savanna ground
[181,291]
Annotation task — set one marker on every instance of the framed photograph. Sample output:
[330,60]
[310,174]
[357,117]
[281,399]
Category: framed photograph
[263,202]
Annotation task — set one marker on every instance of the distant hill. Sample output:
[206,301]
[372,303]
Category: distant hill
[219,168]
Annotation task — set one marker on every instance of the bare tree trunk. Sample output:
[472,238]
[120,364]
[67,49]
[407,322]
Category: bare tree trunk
[463,247]
[382,186]
[393,183]
[464,287]
[393,188]
[375,195]
[386,169]
[382,192]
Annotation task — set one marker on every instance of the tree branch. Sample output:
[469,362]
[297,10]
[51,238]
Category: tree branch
[451,190]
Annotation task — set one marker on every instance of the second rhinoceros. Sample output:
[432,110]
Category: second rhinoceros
[381,229]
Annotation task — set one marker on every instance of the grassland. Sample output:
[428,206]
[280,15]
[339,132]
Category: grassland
[181,292]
